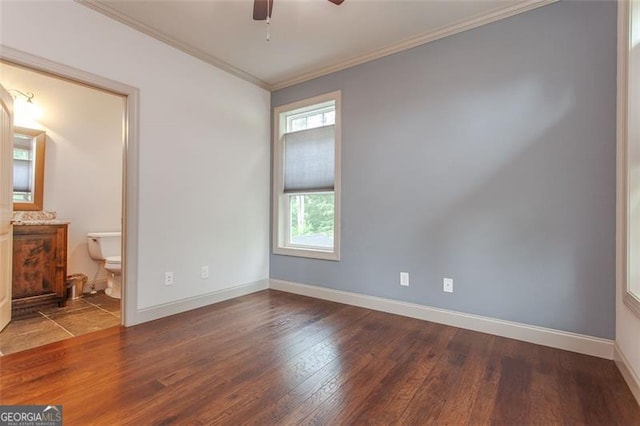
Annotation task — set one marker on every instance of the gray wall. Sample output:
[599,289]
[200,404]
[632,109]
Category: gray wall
[487,157]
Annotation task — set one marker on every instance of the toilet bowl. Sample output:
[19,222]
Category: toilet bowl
[114,281]
[105,247]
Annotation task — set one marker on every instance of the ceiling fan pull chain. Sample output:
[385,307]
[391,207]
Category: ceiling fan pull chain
[268,18]
[268,34]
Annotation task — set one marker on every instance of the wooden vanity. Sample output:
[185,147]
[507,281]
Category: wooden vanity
[39,267]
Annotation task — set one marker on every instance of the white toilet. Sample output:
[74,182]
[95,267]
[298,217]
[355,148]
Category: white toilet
[105,247]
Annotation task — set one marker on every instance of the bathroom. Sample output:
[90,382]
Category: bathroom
[83,187]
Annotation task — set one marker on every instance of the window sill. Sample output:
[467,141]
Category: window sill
[632,302]
[308,253]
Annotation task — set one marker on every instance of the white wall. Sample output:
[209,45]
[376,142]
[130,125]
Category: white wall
[627,336]
[83,167]
[627,322]
[203,148]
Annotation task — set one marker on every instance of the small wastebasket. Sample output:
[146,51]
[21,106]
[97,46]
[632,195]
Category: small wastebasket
[75,285]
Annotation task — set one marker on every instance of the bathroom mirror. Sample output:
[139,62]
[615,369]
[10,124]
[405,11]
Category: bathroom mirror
[28,168]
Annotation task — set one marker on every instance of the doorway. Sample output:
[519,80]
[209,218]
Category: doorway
[124,193]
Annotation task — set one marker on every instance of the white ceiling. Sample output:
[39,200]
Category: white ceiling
[308,37]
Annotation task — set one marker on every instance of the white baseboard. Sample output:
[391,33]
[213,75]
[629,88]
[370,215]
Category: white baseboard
[632,379]
[574,342]
[172,308]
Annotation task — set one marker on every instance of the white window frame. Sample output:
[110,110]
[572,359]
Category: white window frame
[627,239]
[280,212]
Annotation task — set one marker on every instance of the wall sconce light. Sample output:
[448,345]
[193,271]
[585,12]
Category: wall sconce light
[28,96]
[26,113]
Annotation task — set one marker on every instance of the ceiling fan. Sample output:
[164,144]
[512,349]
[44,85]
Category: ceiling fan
[262,8]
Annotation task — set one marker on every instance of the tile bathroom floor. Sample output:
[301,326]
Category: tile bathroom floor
[91,313]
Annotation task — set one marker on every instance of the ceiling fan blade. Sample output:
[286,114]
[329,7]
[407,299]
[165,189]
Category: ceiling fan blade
[262,8]
[337,2]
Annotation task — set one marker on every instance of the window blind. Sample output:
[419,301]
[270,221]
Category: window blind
[309,160]
[22,175]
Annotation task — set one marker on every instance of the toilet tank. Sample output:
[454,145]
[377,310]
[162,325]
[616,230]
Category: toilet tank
[104,244]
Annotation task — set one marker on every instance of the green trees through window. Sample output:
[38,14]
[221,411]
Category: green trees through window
[312,219]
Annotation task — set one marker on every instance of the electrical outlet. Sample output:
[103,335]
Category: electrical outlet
[404,279]
[168,278]
[447,285]
[204,272]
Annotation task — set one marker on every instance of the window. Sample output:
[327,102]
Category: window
[629,146]
[23,168]
[306,178]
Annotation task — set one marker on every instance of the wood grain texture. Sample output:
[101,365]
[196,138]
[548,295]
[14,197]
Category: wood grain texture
[39,267]
[277,358]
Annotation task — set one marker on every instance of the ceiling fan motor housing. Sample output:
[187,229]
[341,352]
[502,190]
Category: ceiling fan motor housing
[263,8]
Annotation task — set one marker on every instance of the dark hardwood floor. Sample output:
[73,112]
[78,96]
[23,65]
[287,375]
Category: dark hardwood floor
[277,358]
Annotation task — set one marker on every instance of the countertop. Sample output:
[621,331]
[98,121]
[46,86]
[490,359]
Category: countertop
[40,222]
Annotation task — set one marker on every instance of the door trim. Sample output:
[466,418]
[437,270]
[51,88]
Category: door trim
[130,155]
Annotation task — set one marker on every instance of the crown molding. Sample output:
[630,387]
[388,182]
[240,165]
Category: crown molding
[417,40]
[158,35]
[409,43]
